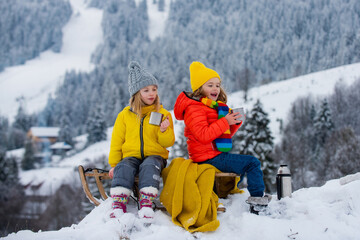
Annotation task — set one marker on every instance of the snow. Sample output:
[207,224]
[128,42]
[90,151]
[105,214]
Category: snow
[46,181]
[39,77]
[45,131]
[328,212]
[157,19]
[60,145]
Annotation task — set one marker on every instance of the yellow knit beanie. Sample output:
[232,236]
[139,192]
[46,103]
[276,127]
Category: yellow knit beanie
[199,74]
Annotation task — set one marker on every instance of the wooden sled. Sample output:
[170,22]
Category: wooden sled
[102,175]
[223,185]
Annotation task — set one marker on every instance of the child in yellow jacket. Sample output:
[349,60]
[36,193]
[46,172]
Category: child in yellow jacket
[138,147]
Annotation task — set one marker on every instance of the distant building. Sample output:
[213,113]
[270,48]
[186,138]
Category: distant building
[43,134]
[42,138]
[60,148]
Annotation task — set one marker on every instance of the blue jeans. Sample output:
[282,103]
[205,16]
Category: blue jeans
[149,171]
[241,164]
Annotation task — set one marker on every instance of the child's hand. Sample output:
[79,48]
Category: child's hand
[164,124]
[111,173]
[231,118]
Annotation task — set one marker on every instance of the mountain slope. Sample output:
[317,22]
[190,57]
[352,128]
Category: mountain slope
[39,77]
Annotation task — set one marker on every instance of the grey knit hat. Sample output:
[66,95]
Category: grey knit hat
[139,78]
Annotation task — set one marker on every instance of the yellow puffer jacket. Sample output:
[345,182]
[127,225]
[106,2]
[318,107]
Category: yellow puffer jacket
[134,138]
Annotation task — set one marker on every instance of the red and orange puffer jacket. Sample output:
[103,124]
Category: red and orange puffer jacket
[202,127]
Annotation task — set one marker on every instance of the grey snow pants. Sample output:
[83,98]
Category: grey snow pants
[149,171]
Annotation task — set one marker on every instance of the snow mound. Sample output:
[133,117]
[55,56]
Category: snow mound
[328,212]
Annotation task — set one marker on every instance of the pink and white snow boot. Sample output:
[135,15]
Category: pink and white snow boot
[147,196]
[120,196]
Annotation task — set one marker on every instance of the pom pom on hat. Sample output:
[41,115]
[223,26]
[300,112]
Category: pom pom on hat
[139,78]
[199,74]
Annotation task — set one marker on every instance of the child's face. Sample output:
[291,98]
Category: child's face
[148,94]
[211,88]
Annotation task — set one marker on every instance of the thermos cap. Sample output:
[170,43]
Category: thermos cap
[283,169]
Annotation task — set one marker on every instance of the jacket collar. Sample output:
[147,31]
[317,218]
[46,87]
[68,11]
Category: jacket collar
[183,101]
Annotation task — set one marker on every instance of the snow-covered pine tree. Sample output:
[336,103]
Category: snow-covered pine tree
[46,117]
[245,78]
[21,124]
[11,193]
[96,126]
[161,5]
[256,139]
[323,128]
[4,128]
[323,124]
[66,132]
[29,160]
[342,154]
[22,120]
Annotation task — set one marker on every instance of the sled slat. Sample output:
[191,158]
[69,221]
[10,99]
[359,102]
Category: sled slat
[223,174]
[103,175]
[86,186]
[224,183]
[99,184]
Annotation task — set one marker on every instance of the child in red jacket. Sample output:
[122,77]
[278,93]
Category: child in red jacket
[209,126]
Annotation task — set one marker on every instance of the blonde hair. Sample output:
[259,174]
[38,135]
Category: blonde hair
[200,93]
[136,104]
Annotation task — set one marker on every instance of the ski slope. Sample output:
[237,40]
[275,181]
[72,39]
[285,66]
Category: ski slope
[39,77]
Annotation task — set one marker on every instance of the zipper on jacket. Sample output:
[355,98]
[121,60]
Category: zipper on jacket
[142,138]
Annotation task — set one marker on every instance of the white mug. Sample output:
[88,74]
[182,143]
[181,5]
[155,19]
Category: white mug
[156,118]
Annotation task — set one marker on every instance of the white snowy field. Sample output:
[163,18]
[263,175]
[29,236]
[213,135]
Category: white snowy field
[328,212]
[39,77]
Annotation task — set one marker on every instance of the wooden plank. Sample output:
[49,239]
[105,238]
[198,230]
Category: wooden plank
[100,184]
[223,174]
[103,175]
[224,183]
[86,186]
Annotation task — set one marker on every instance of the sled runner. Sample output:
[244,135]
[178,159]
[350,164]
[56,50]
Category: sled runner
[223,185]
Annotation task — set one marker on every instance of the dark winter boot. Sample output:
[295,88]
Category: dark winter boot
[120,198]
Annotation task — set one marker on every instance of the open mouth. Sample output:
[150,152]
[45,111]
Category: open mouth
[213,95]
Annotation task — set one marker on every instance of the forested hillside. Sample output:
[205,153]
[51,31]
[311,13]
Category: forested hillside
[322,137]
[28,28]
[247,42]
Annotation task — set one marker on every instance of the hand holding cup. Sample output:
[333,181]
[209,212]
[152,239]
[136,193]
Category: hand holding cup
[164,124]
[241,114]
